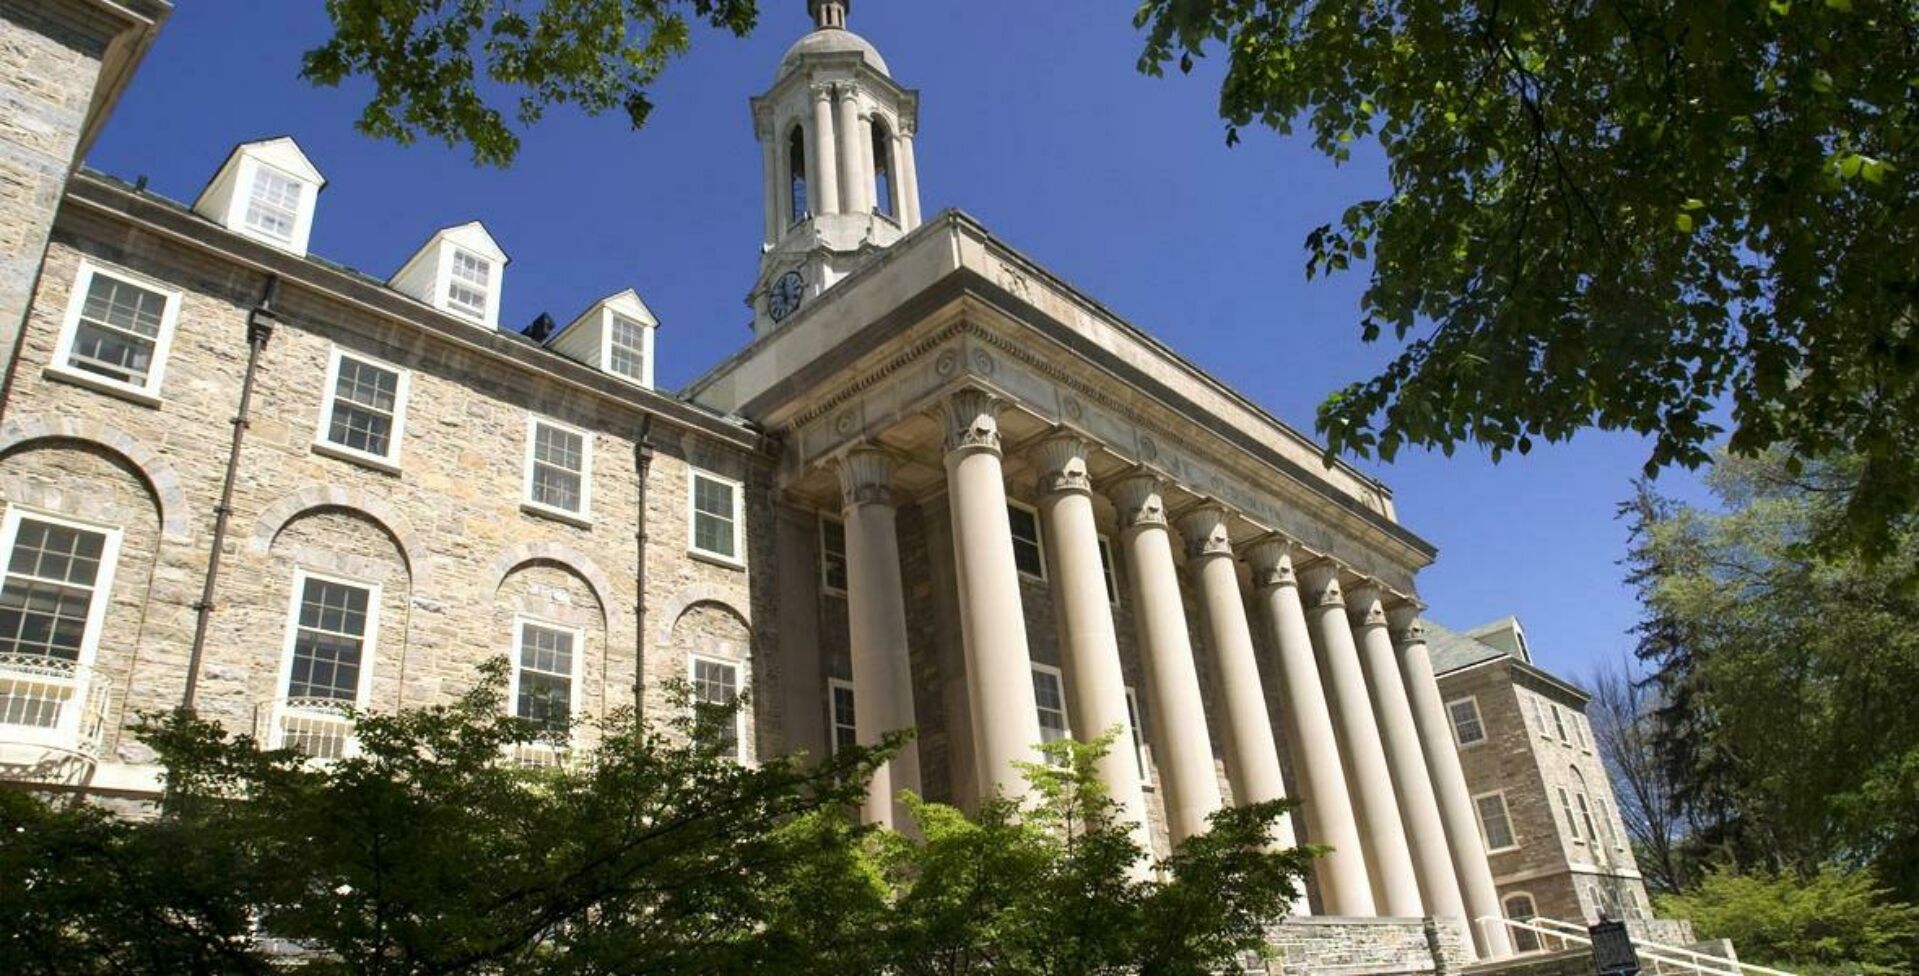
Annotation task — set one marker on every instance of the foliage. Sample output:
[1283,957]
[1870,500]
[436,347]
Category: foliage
[426,853]
[1785,677]
[1833,918]
[1626,732]
[1624,214]
[436,66]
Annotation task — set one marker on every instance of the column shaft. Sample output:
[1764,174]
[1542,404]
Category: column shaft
[1096,698]
[1449,785]
[855,177]
[1390,860]
[822,182]
[770,183]
[876,624]
[1343,885]
[1181,743]
[909,183]
[999,672]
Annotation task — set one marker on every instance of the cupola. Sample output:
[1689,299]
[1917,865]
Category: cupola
[267,191]
[459,271]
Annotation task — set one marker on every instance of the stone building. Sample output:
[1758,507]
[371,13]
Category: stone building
[940,488]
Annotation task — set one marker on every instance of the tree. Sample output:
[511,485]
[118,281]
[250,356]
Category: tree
[434,64]
[1833,919]
[1785,677]
[1623,727]
[1622,214]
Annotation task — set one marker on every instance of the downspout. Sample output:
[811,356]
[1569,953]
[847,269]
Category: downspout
[642,468]
[259,329]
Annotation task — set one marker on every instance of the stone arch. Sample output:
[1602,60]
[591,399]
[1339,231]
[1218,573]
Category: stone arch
[159,476]
[275,518]
[566,557]
[686,599]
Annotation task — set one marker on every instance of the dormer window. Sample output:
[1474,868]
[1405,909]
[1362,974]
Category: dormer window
[615,335]
[468,284]
[266,191]
[460,271]
[626,348]
[273,208]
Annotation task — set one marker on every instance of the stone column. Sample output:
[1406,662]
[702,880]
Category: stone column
[1343,885]
[1181,743]
[1412,785]
[999,672]
[855,178]
[770,182]
[822,182]
[1096,699]
[909,179]
[1456,810]
[876,622]
[1388,858]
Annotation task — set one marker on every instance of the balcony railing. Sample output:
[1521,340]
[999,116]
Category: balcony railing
[320,728]
[51,702]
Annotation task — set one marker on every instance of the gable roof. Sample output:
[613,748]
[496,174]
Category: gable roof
[1452,650]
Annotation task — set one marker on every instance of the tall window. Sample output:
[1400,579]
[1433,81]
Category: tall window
[1572,822]
[273,204]
[1586,817]
[715,525]
[1106,570]
[796,176]
[626,348]
[1559,723]
[1495,822]
[840,703]
[1050,698]
[117,331]
[1519,907]
[1539,714]
[1140,749]
[365,408]
[1606,822]
[1579,731]
[558,467]
[468,283]
[717,719]
[882,168]
[1467,728]
[832,555]
[543,675]
[1027,553]
[57,572]
[332,628]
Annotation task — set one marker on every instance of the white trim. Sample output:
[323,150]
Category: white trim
[826,587]
[369,644]
[607,324]
[146,394]
[1566,805]
[450,258]
[1479,719]
[738,558]
[1142,748]
[388,462]
[739,687]
[583,517]
[1065,712]
[1505,808]
[102,580]
[574,680]
[245,178]
[1109,568]
[1039,540]
[833,724]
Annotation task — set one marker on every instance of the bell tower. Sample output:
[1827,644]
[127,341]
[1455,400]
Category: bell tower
[836,145]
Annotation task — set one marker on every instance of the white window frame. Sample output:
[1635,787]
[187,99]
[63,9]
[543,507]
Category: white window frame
[1559,723]
[146,394]
[738,559]
[574,680]
[826,586]
[833,723]
[1539,715]
[1479,719]
[1109,568]
[102,581]
[1142,748]
[449,280]
[1065,712]
[1511,827]
[1585,805]
[1572,815]
[740,752]
[244,200]
[1039,539]
[1580,733]
[613,319]
[388,462]
[583,517]
[369,649]
[1614,836]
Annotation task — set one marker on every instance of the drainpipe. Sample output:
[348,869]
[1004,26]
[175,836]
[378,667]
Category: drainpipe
[642,467]
[259,329]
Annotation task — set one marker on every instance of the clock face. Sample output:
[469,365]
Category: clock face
[783,298]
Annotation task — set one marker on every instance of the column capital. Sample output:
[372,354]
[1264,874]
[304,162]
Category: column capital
[1271,559]
[847,89]
[971,418]
[1367,607]
[1140,499]
[1407,627]
[866,477]
[1319,584]
[1205,531]
[821,90]
[1061,459]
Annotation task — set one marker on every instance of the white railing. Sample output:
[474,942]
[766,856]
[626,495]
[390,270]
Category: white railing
[539,754]
[52,702]
[320,728]
[1661,957]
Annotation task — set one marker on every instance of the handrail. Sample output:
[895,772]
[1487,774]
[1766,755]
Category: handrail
[1658,952]
[52,702]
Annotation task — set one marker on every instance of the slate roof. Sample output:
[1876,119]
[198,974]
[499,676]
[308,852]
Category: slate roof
[1452,650]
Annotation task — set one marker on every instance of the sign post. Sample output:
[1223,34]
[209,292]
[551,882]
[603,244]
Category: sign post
[1613,952]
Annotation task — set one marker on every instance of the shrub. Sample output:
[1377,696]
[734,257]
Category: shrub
[1839,921]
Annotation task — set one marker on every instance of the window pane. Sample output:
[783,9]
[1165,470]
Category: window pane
[713,514]
[467,291]
[1051,703]
[1106,570]
[48,593]
[274,203]
[118,330]
[546,675]
[1026,552]
[845,732]
[833,554]
[1492,816]
[1466,722]
[328,642]
[559,463]
[1139,733]
[716,686]
[627,348]
[364,400]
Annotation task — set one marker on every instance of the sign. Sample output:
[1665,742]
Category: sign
[1613,953]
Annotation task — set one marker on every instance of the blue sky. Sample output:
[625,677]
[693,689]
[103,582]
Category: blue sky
[1033,120]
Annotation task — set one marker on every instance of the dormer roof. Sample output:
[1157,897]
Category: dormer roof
[429,274]
[287,184]
[625,302]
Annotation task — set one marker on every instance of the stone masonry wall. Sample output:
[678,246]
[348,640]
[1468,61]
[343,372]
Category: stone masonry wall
[1331,946]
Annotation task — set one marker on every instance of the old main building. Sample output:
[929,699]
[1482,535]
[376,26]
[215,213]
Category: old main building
[939,489]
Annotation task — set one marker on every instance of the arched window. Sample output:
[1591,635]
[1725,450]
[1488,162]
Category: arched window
[1519,907]
[882,168]
[796,175]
